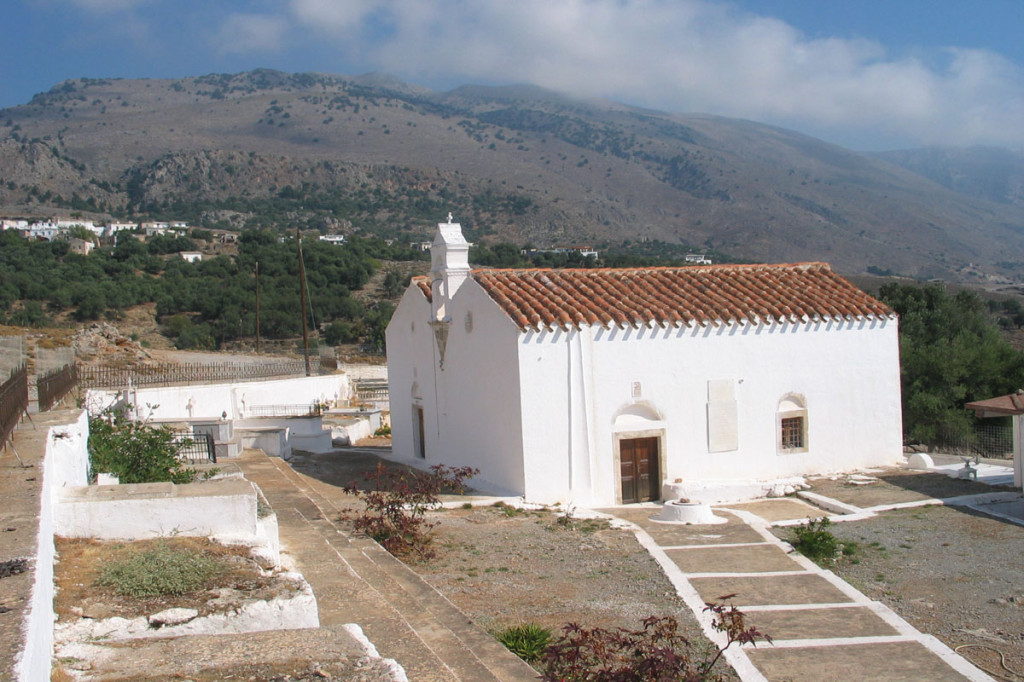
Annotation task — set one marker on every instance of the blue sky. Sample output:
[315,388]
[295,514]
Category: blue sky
[869,74]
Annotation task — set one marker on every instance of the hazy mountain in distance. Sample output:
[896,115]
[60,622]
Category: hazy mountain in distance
[987,173]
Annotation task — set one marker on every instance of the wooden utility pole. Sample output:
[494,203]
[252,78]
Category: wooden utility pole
[302,291]
[257,307]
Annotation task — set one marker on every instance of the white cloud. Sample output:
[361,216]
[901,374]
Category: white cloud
[250,33]
[107,5]
[333,16]
[685,55]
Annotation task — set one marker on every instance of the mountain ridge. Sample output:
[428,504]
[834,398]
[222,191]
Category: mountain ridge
[514,163]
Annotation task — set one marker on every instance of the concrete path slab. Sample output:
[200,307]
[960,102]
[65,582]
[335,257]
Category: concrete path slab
[780,509]
[732,559]
[890,662]
[672,535]
[855,621]
[824,629]
[805,588]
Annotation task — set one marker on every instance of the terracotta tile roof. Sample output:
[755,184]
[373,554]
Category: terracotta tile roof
[1005,404]
[539,298]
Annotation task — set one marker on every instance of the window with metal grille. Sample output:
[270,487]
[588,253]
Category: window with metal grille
[792,433]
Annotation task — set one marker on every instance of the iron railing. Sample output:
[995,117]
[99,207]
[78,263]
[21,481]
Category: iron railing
[311,410]
[992,438]
[13,401]
[372,391]
[54,385]
[195,448]
[155,374]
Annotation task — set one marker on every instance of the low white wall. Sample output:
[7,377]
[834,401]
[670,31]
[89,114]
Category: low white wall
[351,431]
[356,372]
[221,508]
[65,463]
[215,401]
[67,455]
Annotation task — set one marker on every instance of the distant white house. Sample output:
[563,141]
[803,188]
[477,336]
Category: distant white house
[611,386]
[153,229]
[81,246]
[112,228]
[581,250]
[333,238]
[68,223]
[191,256]
[44,231]
[697,259]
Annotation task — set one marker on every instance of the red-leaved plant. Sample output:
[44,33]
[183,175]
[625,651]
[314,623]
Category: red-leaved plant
[395,502]
[656,653]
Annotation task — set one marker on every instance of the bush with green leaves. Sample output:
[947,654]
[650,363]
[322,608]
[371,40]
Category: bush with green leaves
[951,353]
[526,640]
[135,451]
[160,571]
[816,542]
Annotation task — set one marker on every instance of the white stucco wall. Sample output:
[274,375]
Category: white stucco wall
[540,413]
[222,508]
[65,463]
[580,382]
[471,406]
[211,401]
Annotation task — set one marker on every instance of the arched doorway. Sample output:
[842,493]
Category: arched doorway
[639,439]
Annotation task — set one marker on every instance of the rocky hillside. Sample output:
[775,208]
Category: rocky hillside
[520,164]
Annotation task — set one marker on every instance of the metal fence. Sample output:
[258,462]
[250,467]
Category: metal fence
[328,359]
[54,385]
[195,448]
[372,391]
[13,401]
[311,410]
[157,374]
[992,438]
[13,353]
[49,359]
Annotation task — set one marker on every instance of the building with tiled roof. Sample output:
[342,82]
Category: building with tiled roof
[605,386]
[1011,405]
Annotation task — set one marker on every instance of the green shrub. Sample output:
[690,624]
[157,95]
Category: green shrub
[527,641]
[382,432]
[817,543]
[160,571]
[135,452]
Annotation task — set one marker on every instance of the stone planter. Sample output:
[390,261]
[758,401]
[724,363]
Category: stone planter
[696,513]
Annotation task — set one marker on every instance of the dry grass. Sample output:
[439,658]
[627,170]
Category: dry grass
[81,561]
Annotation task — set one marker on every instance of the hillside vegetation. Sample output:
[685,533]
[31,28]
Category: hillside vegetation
[372,155]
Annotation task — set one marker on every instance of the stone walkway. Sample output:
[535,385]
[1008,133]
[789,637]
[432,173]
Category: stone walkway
[822,628]
[355,581]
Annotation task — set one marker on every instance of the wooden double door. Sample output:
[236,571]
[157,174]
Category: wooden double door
[641,481]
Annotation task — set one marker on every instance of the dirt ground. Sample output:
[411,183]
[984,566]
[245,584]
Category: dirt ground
[504,566]
[81,562]
[949,571]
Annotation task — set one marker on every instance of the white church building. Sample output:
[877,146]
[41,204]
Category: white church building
[612,386]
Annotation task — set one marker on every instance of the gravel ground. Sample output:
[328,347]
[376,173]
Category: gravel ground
[949,571]
[503,566]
